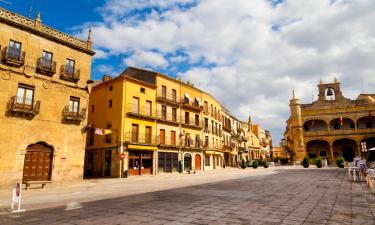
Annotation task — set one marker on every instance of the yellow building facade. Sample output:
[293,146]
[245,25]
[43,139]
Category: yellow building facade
[44,76]
[331,126]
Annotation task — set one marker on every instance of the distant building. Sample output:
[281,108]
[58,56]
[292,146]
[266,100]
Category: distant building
[332,126]
[44,93]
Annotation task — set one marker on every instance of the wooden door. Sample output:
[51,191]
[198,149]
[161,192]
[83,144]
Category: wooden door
[38,163]
[198,162]
[162,137]
[146,162]
[134,163]
[173,138]
[134,134]
[148,135]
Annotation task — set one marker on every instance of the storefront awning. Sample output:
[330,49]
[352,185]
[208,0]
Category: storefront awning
[141,147]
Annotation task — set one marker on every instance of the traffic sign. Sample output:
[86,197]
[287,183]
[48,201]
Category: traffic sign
[122,156]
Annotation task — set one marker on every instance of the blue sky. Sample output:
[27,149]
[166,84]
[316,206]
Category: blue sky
[249,54]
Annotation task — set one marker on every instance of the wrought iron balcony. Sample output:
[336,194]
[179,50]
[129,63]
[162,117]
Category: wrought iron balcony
[167,117]
[13,57]
[46,67]
[74,117]
[140,111]
[167,141]
[20,106]
[67,75]
[191,122]
[227,128]
[140,138]
[168,98]
[191,105]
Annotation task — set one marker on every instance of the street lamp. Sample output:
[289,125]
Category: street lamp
[364,148]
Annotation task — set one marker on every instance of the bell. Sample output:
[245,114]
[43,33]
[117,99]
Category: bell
[329,92]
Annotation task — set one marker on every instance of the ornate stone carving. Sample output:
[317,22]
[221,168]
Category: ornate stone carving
[5,75]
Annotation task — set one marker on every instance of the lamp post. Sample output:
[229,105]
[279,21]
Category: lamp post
[364,149]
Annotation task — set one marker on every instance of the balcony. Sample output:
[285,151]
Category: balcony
[167,118]
[227,128]
[23,107]
[167,142]
[13,57]
[207,129]
[46,67]
[72,76]
[140,138]
[190,143]
[191,106]
[70,116]
[140,112]
[341,132]
[205,111]
[192,123]
[167,98]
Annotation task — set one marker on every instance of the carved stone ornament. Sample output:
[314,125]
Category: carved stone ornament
[5,75]
[28,71]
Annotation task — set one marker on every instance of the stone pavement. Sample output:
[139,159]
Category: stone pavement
[291,196]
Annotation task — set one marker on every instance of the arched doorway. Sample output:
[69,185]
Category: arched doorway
[342,124]
[187,162]
[315,125]
[317,148]
[345,148]
[38,162]
[198,162]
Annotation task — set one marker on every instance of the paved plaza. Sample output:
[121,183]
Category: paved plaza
[285,196]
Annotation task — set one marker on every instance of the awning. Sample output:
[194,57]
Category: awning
[141,147]
[196,98]
[213,153]
[187,96]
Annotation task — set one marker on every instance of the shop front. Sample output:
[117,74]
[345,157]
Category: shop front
[141,160]
[167,162]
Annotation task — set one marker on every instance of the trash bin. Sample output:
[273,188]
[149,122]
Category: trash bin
[180,166]
[125,174]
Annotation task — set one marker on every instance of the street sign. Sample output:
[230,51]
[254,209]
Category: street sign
[122,156]
[16,199]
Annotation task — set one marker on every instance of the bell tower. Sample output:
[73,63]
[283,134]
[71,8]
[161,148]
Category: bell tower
[330,91]
[296,125]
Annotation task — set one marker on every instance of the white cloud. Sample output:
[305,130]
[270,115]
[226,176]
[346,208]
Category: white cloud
[253,68]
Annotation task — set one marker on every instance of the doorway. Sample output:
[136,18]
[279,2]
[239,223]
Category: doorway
[198,162]
[140,162]
[38,163]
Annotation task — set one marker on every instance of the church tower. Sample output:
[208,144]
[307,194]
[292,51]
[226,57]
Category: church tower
[296,128]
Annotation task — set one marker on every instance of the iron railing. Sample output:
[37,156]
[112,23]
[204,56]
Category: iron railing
[70,115]
[46,66]
[13,56]
[191,105]
[191,122]
[167,96]
[24,106]
[141,110]
[169,117]
[140,138]
[167,140]
[68,75]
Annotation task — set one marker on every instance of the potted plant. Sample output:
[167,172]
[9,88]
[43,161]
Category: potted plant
[255,164]
[265,164]
[319,162]
[305,162]
[243,164]
[340,161]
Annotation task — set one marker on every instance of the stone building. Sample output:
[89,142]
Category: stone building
[44,93]
[331,126]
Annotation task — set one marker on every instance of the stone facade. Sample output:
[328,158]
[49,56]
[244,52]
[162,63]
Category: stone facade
[331,126]
[37,91]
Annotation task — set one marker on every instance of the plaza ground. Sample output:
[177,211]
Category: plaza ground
[286,195]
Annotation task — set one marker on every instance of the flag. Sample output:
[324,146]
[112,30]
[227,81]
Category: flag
[98,131]
[106,131]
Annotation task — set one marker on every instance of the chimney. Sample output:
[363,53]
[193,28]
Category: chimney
[106,78]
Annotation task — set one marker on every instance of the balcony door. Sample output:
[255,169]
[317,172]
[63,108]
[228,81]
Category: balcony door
[47,59]
[25,96]
[135,105]
[164,91]
[162,136]
[74,105]
[148,108]
[134,134]
[173,137]
[14,50]
[148,135]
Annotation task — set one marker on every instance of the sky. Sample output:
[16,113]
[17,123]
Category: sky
[249,54]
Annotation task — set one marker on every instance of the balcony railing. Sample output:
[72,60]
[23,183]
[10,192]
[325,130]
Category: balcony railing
[191,105]
[13,57]
[23,106]
[167,140]
[167,97]
[190,143]
[45,66]
[140,138]
[227,128]
[341,132]
[141,111]
[74,117]
[67,75]
[191,122]
[167,117]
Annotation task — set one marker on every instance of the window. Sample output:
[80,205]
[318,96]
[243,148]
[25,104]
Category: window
[148,134]
[173,137]
[47,59]
[196,103]
[74,105]
[174,114]
[196,120]
[336,126]
[369,124]
[142,90]
[109,103]
[164,91]
[148,108]
[69,67]
[92,135]
[174,95]
[212,110]
[186,100]
[134,134]
[110,88]
[25,95]
[206,123]
[108,137]
[205,106]
[197,141]
[14,50]
[187,140]
[135,105]
[206,141]
[162,137]
[164,112]
[213,127]
[187,118]
[207,160]
[92,108]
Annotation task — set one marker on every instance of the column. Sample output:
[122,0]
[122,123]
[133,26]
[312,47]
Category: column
[331,152]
